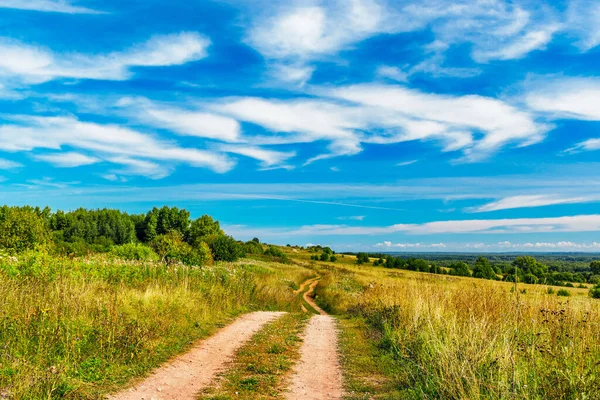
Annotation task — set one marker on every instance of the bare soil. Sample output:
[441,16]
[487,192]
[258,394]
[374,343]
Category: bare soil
[318,375]
[184,376]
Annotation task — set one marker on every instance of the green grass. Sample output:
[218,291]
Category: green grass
[369,372]
[259,368]
[84,327]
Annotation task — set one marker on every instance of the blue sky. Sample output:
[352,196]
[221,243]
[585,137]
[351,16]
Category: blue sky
[361,124]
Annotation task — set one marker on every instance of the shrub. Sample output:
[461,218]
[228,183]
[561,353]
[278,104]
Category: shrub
[274,251]
[333,258]
[253,247]
[550,290]
[569,284]
[172,249]
[22,228]
[134,251]
[595,292]
[226,248]
[563,292]
[324,257]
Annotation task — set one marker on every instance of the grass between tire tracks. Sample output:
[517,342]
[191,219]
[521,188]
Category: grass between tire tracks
[259,368]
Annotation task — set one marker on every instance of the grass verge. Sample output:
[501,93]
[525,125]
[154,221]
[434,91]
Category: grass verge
[369,372]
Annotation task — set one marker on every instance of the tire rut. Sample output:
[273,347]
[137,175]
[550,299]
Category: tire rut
[184,376]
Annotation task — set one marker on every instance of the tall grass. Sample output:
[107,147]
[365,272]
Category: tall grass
[459,338]
[79,328]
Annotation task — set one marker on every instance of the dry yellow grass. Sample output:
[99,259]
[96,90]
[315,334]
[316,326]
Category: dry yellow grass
[464,338]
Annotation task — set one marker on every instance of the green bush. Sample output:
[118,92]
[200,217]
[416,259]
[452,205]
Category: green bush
[173,249]
[595,292]
[333,258]
[324,257]
[563,292]
[550,290]
[225,248]
[23,228]
[274,251]
[134,251]
[253,247]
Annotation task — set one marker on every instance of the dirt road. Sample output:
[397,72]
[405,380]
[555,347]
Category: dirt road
[183,377]
[317,375]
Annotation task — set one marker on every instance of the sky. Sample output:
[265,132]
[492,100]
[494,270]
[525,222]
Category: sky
[430,125]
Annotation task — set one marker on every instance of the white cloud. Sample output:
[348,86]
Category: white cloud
[57,6]
[300,32]
[8,164]
[352,218]
[122,145]
[390,245]
[582,22]
[528,201]
[578,223]
[186,122]
[520,46]
[67,160]
[348,116]
[393,73]
[586,145]
[565,97]
[268,158]
[449,116]
[32,64]
[406,163]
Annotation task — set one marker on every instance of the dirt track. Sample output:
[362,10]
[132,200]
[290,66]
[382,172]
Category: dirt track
[183,377]
[317,375]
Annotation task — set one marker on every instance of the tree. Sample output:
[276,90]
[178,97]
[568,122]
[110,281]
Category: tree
[150,223]
[225,248]
[22,228]
[460,269]
[324,256]
[483,269]
[333,258]
[529,265]
[595,267]
[203,227]
[362,258]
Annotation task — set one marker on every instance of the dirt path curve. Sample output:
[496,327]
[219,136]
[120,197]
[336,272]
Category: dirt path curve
[317,375]
[183,377]
[308,298]
[304,285]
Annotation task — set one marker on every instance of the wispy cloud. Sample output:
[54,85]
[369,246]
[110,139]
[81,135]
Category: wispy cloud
[57,6]
[352,218]
[578,223]
[479,247]
[108,142]
[67,160]
[529,201]
[8,164]
[405,163]
[564,97]
[36,65]
[348,116]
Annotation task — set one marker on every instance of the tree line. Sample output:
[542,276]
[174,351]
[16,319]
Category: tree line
[166,233]
[525,269]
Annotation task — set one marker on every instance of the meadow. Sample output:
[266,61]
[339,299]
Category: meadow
[79,328]
[450,337]
[92,300]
